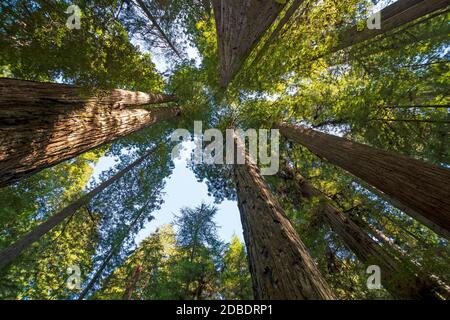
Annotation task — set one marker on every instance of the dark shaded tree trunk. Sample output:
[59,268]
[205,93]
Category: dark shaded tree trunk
[420,188]
[408,120]
[115,249]
[402,281]
[12,252]
[280,265]
[98,273]
[393,16]
[333,262]
[43,124]
[240,24]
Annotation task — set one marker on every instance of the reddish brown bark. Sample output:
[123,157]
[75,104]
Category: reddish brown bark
[132,283]
[418,188]
[280,265]
[294,5]
[401,280]
[240,24]
[393,16]
[42,124]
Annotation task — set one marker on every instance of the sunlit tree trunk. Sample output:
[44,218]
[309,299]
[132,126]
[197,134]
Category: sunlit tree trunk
[402,282]
[420,188]
[280,265]
[42,124]
[12,252]
[132,283]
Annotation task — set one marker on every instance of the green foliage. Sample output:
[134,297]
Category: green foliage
[37,45]
[41,271]
[235,276]
[186,264]
[390,92]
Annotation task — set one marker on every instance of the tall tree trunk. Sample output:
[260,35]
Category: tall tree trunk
[155,23]
[12,252]
[240,24]
[408,120]
[115,249]
[295,4]
[393,16]
[280,265]
[98,273]
[42,124]
[132,283]
[402,282]
[420,188]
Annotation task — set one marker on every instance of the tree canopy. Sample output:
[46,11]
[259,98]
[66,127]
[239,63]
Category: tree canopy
[314,65]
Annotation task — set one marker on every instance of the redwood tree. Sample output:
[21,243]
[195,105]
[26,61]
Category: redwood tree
[280,265]
[393,16]
[403,281]
[42,124]
[13,251]
[418,188]
[240,25]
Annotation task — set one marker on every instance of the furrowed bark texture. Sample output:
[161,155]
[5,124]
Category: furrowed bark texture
[393,16]
[42,124]
[280,265]
[240,24]
[295,4]
[401,282]
[420,188]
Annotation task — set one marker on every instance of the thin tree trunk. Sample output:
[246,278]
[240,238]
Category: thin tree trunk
[401,282]
[280,265]
[12,252]
[113,251]
[98,273]
[155,23]
[420,188]
[132,284]
[333,263]
[43,124]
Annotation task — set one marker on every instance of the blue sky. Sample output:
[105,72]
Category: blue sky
[183,190]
